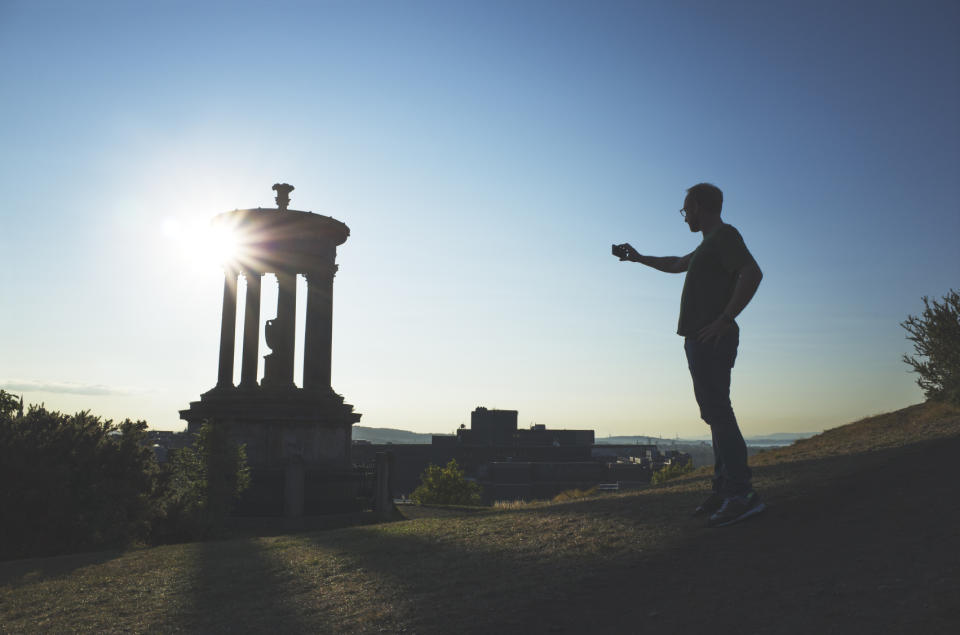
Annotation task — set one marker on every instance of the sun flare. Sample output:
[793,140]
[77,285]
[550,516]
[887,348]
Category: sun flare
[222,243]
[202,244]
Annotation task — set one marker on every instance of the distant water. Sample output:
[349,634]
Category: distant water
[768,441]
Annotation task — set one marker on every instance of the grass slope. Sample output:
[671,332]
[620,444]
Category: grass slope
[862,537]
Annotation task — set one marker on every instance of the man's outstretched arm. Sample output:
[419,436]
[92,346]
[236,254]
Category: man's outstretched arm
[667,264]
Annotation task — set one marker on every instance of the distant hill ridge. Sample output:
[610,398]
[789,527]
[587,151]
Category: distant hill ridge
[389,435]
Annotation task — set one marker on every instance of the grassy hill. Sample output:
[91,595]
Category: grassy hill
[862,536]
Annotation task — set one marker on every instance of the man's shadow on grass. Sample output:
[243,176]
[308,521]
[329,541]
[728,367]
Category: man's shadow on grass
[238,586]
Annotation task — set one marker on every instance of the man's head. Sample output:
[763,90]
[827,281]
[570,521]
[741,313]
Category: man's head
[702,203]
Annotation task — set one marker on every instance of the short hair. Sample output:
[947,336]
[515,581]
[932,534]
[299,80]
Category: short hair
[708,196]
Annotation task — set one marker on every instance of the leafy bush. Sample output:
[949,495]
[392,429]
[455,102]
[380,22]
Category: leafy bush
[200,486]
[673,470]
[446,486]
[76,482]
[72,482]
[9,406]
[936,341]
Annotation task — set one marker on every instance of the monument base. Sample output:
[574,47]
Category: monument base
[298,448]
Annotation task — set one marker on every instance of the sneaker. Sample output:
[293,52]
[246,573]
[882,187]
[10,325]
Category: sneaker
[737,508]
[710,505]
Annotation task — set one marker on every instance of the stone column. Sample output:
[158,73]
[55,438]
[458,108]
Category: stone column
[228,329]
[251,331]
[318,331]
[383,485]
[286,321]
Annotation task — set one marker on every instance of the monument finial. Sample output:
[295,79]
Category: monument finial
[283,195]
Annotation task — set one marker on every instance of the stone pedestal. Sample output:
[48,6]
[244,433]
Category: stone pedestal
[293,489]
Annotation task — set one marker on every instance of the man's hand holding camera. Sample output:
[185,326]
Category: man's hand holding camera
[626,251]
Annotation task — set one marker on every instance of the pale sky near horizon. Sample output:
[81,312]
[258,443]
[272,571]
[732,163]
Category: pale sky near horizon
[485,156]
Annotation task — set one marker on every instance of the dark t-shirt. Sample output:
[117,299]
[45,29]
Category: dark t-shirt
[711,277]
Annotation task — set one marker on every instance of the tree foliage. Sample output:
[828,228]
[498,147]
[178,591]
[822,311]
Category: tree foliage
[673,470]
[72,482]
[201,485]
[9,406]
[446,486]
[935,334]
[77,483]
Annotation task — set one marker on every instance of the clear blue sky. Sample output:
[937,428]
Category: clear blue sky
[485,155]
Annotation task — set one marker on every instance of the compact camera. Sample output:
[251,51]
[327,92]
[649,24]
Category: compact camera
[620,251]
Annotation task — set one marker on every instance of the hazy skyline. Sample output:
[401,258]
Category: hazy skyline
[485,156]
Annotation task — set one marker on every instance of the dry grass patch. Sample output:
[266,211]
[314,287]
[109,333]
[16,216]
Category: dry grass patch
[372,578]
[930,420]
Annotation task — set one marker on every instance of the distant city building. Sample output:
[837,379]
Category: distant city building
[498,428]
[490,427]
[515,463]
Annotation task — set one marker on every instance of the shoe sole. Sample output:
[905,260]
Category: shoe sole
[707,511]
[753,511]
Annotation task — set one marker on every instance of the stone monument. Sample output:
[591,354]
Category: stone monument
[297,438]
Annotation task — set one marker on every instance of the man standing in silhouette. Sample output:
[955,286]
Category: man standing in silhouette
[722,277]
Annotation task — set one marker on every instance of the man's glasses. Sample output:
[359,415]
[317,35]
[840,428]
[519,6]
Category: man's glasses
[683,213]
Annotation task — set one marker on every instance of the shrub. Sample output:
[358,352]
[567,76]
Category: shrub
[9,406]
[446,486]
[75,483]
[936,341]
[671,471]
[200,486]
[72,482]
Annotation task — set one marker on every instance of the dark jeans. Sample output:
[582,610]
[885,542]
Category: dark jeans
[710,365]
